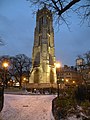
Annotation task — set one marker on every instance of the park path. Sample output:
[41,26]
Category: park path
[27,107]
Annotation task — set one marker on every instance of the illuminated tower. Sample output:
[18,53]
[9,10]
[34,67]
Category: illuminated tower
[43,54]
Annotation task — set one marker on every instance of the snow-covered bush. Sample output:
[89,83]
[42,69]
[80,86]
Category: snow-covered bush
[69,105]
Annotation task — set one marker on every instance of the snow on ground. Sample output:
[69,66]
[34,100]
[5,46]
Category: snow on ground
[27,107]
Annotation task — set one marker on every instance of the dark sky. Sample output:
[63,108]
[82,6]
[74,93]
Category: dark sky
[17,24]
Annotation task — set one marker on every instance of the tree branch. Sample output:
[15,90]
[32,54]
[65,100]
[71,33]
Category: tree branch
[68,6]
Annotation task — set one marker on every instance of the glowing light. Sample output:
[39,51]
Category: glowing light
[58,65]
[73,81]
[8,82]
[62,79]
[24,78]
[5,64]
[66,80]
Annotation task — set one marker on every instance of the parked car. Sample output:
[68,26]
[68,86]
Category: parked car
[1,97]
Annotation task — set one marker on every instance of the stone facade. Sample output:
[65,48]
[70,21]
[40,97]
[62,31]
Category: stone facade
[69,76]
[43,54]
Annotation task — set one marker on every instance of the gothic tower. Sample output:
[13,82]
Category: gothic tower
[43,54]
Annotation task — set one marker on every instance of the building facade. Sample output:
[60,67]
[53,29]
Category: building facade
[43,55]
[69,76]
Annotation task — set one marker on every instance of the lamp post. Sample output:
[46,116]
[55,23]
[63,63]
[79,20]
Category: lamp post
[58,65]
[25,80]
[5,66]
[58,84]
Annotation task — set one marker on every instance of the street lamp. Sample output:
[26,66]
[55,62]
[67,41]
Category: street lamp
[5,66]
[24,80]
[58,65]
[73,82]
[67,80]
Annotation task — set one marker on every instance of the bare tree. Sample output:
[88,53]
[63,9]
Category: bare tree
[84,11]
[18,67]
[60,8]
[1,41]
[21,65]
[87,58]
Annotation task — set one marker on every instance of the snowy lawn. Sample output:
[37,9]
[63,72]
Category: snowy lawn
[27,107]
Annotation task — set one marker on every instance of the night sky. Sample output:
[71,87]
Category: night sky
[17,24]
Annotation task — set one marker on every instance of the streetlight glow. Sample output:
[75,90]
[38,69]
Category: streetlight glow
[58,65]
[24,78]
[73,82]
[62,79]
[66,80]
[5,64]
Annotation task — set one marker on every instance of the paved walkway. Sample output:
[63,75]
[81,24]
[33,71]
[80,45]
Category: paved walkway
[27,107]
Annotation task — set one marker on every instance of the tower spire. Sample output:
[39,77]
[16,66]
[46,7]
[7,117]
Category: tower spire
[44,5]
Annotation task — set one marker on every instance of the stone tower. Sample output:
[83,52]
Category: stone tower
[43,54]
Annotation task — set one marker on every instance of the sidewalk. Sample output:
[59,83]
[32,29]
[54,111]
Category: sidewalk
[31,107]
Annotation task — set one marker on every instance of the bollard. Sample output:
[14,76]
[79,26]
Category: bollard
[1,97]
